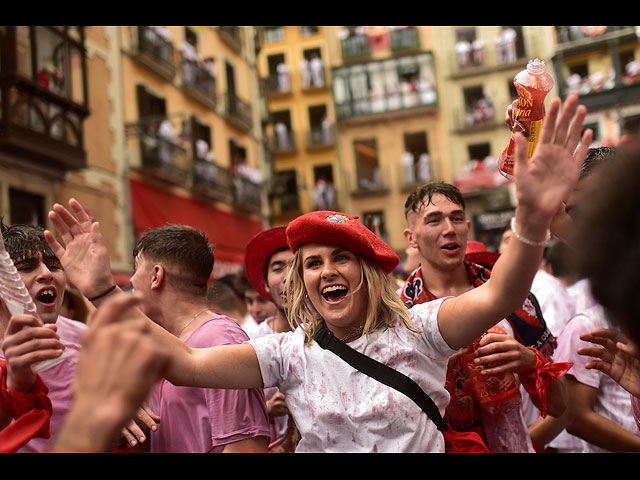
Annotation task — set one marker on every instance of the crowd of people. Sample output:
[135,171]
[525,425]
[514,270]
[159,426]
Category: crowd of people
[488,360]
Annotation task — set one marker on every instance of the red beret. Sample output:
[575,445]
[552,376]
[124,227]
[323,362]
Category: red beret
[341,230]
[257,253]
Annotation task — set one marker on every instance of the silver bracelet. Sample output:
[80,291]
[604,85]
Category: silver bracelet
[526,240]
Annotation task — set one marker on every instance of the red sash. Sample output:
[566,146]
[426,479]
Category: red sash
[31,411]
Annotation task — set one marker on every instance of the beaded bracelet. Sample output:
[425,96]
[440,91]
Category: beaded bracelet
[526,240]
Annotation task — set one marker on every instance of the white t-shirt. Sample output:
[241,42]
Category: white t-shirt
[612,401]
[339,409]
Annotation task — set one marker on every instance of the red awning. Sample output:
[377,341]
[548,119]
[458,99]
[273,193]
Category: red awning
[228,233]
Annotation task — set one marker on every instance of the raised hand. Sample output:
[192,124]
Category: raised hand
[617,357]
[545,180]
[84,255]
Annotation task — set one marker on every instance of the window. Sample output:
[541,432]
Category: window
[284,139]
[324,193]
[279,79]
[27,208]
[312,68]
[510,44]
[273,34]
[465,48]
[367,167]
[285,190]
[321,127]
[416,158]
[479,151]
[201,139]
[478,107]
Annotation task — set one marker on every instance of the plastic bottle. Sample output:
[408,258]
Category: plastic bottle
[532,84]
[17,298]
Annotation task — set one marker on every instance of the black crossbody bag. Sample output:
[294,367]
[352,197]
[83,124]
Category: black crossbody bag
[382,373]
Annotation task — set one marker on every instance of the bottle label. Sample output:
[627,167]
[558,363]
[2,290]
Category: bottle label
[528,121]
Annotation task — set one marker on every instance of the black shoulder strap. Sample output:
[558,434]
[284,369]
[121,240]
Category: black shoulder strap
[382,373]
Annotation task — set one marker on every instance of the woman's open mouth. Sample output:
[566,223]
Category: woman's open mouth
[334,293]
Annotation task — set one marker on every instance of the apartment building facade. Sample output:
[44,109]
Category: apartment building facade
[295,63]
[193,128]
[60,128]
[389,119]
[143,125]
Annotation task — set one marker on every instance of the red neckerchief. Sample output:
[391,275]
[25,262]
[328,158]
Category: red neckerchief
[528,323]
[31,411]
[463,411]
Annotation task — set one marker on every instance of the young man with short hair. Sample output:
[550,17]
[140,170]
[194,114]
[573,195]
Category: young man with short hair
[439,229]
[173,264]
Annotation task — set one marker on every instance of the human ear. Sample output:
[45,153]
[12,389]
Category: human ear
[157,277]
[408,235]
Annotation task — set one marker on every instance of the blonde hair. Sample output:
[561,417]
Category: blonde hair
[384,305]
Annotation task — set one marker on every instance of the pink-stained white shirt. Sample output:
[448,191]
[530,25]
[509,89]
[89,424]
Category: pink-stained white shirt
[198,420]
[612,401]
[339,409]
[557,304]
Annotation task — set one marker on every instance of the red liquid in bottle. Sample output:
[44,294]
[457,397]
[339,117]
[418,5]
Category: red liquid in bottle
[532,84]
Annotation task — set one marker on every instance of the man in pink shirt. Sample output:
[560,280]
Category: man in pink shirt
[172,269]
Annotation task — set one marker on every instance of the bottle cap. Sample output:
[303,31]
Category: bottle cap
[536,66]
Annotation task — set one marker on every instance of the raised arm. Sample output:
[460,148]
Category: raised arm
[86,261]
[542,184]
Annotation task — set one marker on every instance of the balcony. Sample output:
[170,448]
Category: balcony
[480,117]
[43,105]
[279,84]
[163,158]
[199,83]
[320,137]
[314,76]
[618,95]
[405,98]
[578,39]
[238,112]
[283,141]
[155,52]
[247,194]
[369,181]
[355,47]
[404,39]
[231,36]
[212,180]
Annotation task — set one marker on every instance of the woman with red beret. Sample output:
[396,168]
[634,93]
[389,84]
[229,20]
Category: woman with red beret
[339,280]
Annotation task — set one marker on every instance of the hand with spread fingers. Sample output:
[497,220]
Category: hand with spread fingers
[617,357]
[545,180]
[84,257]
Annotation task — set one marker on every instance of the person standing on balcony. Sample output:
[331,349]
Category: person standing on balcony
[189,62]
[317,71]
[166,142]
[284,82]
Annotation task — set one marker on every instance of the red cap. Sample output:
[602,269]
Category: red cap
[341,230]
[257,253]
